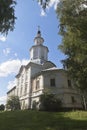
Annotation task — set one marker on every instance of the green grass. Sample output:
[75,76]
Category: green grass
[36,120]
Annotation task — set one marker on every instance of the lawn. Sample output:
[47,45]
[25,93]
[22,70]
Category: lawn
[36,120]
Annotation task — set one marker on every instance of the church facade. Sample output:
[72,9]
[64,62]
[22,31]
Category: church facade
[41,75]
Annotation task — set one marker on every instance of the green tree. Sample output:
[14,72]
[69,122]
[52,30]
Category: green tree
[72,15]
[73,28]
[13,103]
[2,107]
[7,15]
[50,102]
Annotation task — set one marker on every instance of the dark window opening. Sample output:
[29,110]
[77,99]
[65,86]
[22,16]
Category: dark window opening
[52,82]
[73,99]
[69,83]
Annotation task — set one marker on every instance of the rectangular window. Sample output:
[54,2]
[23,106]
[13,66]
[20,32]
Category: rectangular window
[69,83]
[73,99]
[37,84]
[52,82]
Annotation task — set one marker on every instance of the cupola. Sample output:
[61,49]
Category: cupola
[38,40]
[38,52]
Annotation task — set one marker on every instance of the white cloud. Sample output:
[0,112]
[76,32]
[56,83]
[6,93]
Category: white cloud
[3,99]
[15,54]
[2,38]
[11,67]
[6,51]
[7,68]
[24,62]
[11,84]
[53,3]
[43,12]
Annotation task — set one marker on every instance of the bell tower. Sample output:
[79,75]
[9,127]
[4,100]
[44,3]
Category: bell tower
[39,52]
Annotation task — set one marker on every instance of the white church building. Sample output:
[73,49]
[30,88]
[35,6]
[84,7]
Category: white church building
[41,75]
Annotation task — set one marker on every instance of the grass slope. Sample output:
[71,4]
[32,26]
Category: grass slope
[36,120]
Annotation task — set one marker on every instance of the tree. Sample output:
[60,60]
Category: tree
[44,3]
[7,15]
[13,103]
[50,102]
[73,28]
[72,15]
[2,107]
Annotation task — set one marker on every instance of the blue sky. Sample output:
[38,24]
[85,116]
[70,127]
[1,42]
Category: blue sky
[14,50]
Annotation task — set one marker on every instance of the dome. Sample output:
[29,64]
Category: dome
[38,40]
[48,64]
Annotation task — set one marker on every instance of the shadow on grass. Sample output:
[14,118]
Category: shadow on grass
[35,120]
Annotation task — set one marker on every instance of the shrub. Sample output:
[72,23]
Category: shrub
[2,107]
[13,103]
[50,102]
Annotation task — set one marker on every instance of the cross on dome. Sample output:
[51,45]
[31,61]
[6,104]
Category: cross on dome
[38,28]
[38,39]
[39,32]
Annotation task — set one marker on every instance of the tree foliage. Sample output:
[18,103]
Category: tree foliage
[7,15]
[13,103]
[2,107]
[73,28]
[50,102]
